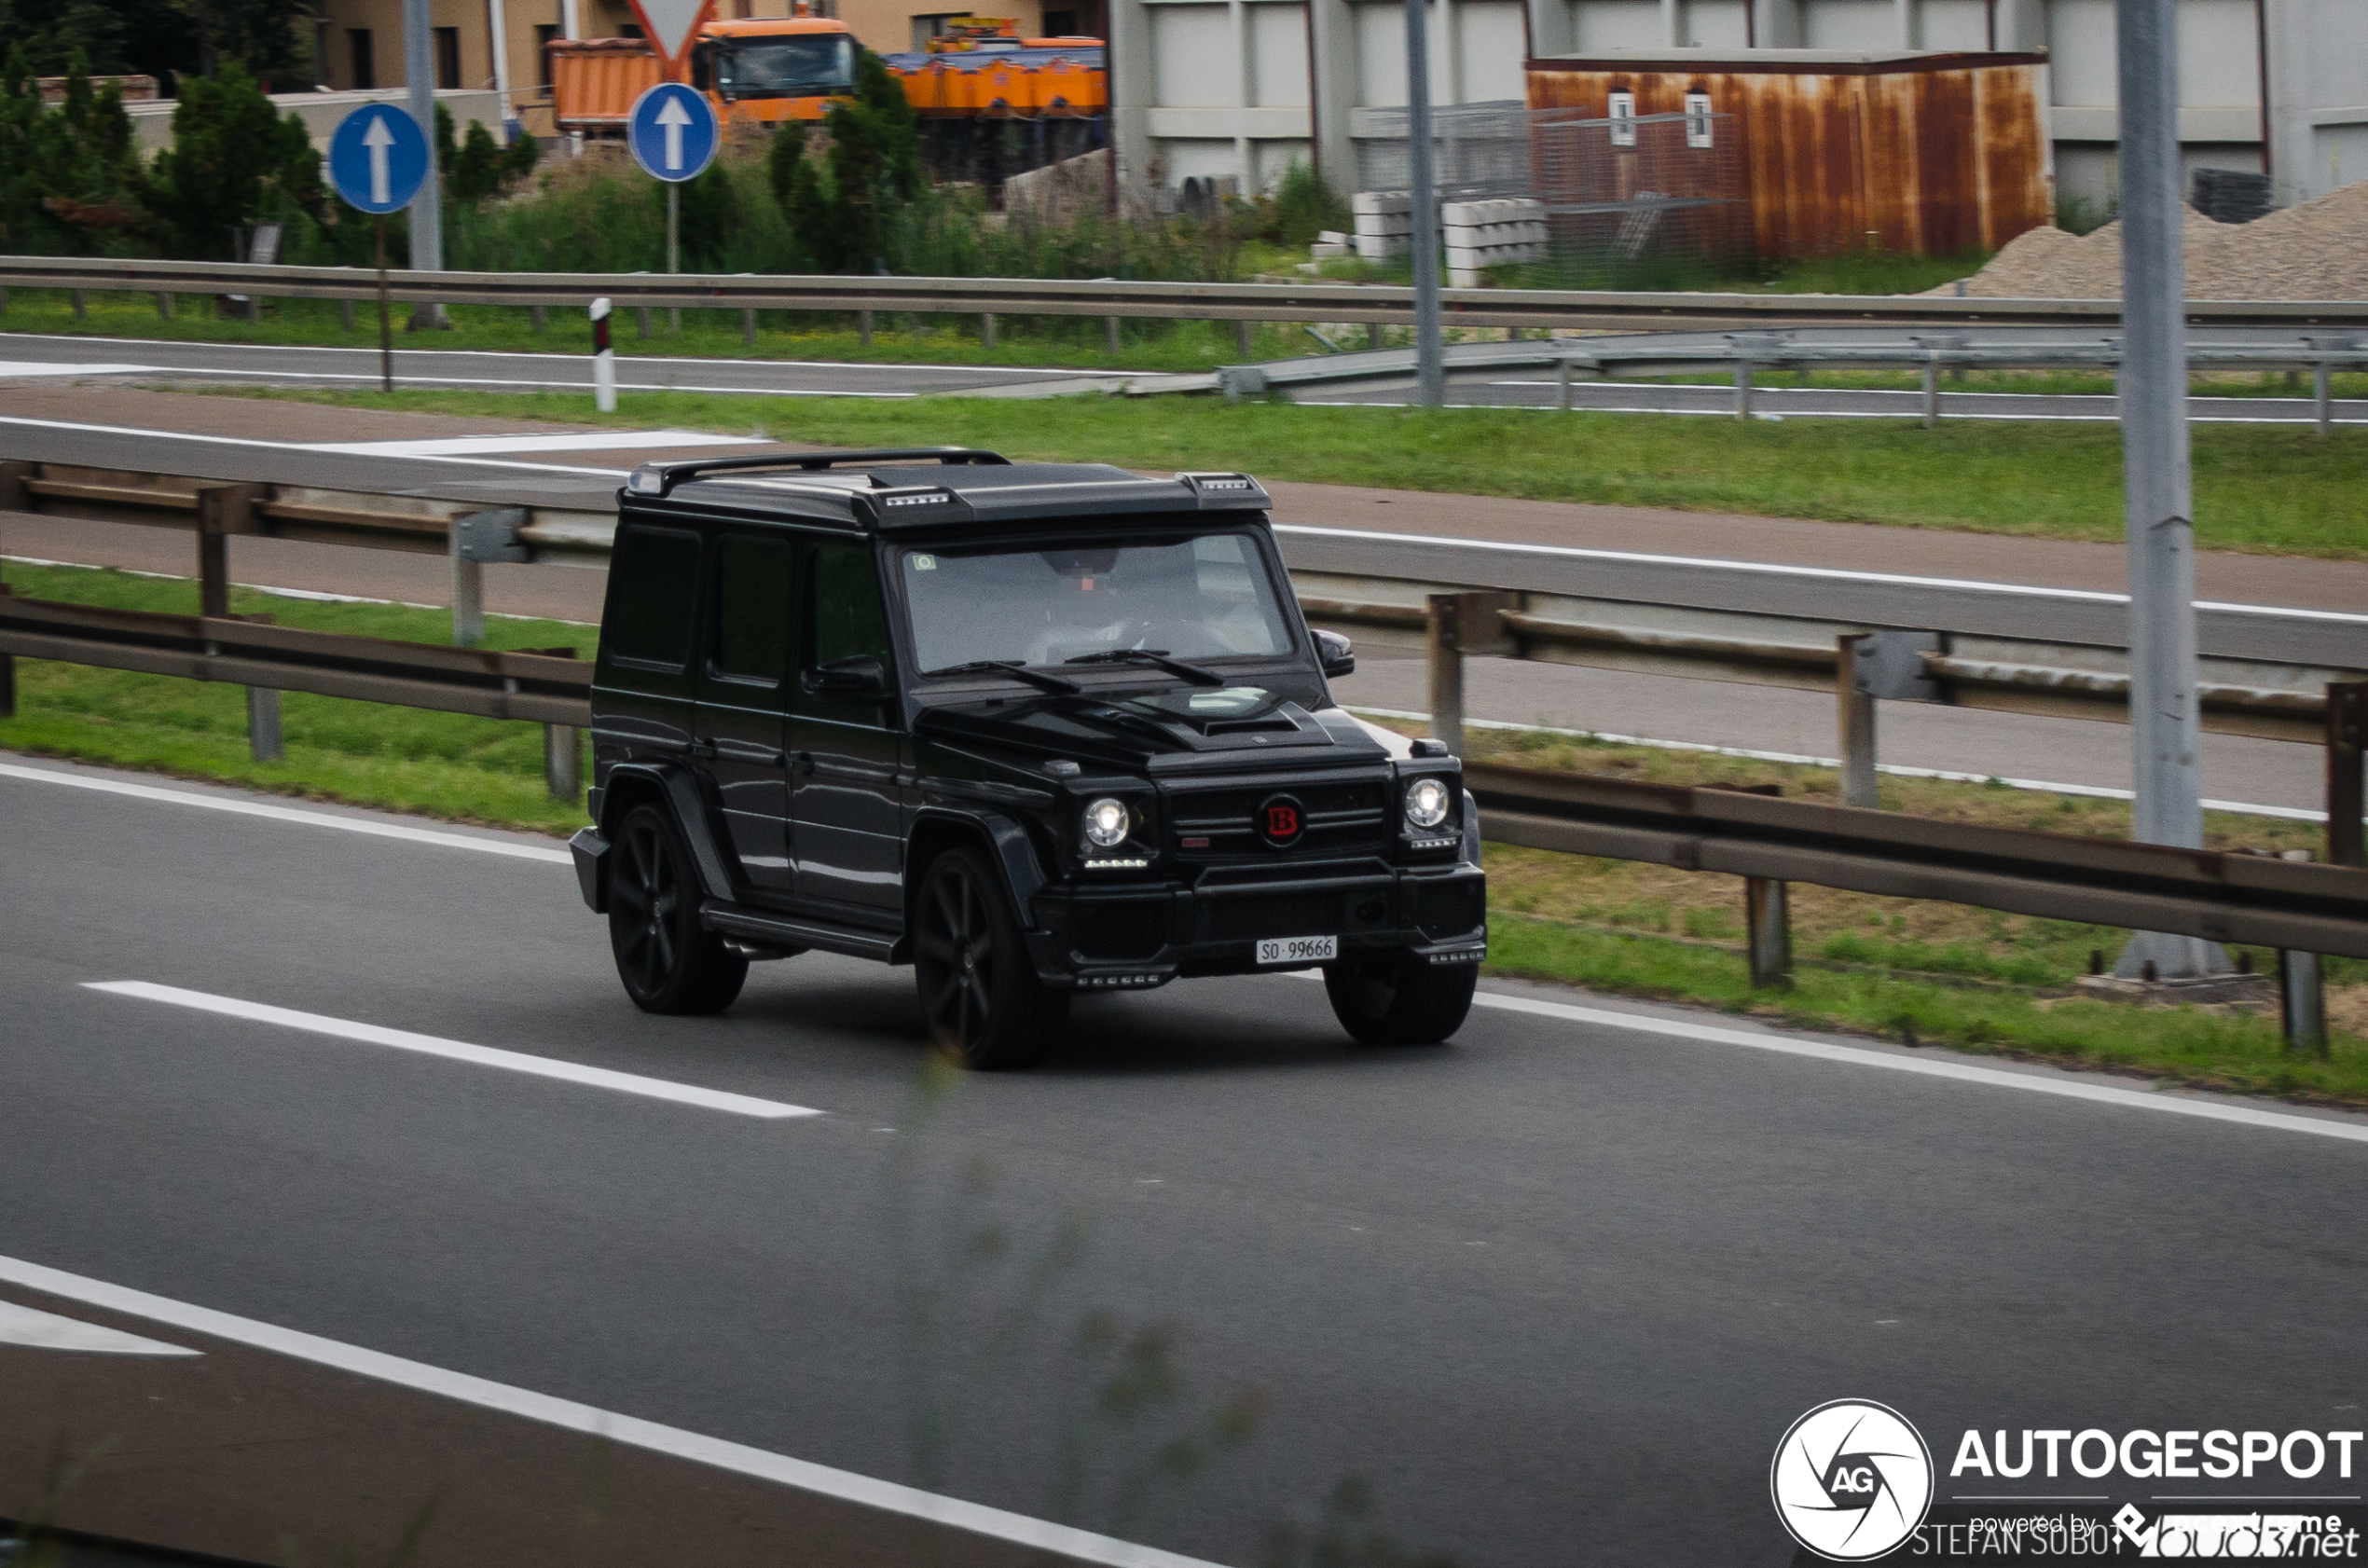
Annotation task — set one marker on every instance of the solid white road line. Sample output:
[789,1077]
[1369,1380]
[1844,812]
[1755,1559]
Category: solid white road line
[286,446]
[40,1331]
[12,369]
[1963,1072]
[673,1441]
[453,1050]
[506,355]
[574,385]
[1777,569]
[289,813]
[581,441]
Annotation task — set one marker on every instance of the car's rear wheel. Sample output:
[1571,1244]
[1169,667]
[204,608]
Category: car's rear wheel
[669,962]
[1396,999]
[979,991]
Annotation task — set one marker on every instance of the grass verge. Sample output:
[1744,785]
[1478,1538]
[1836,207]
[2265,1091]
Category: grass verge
[1940,973]
[2259,488]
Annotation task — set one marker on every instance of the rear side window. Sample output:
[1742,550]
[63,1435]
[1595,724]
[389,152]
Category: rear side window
[850,620]
[653,596]
[752,605]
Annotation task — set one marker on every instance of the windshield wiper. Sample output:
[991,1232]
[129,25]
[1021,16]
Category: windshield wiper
[1158,657]
[1013,667]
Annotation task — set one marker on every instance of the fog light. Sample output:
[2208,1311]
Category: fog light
[1106,823]
[1427,803]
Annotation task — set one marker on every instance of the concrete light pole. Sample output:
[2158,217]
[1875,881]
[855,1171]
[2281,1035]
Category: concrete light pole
[2166,738]
[427,208]
[1430,372]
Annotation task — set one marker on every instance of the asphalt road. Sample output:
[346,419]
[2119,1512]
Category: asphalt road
[28,356]
[1552,1292]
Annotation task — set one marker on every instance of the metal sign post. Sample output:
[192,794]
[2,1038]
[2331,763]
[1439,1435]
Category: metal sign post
[673,135]
[1430,372]
[2165,732]
[378,162]
[427,219]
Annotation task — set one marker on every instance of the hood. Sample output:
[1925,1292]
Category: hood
[1232,727]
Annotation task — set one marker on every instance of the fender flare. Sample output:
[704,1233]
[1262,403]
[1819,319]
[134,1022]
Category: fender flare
[1006,841]
[677,786]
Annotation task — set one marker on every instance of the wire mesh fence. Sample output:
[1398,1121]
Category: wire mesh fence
[1618,192]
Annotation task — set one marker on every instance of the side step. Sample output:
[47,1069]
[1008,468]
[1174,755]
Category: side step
[782,931]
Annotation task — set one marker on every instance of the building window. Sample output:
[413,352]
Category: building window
[1060,24]
[629,30]
[1623,118]
[1697,119]
[365,63]
[927,27]
[448,57]
[544,36]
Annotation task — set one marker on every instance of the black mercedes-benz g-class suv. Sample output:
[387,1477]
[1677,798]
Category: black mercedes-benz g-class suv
[1032,728]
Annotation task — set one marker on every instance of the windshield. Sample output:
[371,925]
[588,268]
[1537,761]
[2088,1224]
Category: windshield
[1195,598]
[814,63]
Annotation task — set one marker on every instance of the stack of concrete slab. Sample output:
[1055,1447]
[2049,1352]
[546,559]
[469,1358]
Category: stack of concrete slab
[1329,243]
[1482,234]
[1384,220]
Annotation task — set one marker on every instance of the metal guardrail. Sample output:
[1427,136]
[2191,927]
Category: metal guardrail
[1378,305]
[2233,898]
[1972,664]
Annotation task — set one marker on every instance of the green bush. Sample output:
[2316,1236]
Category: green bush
[233,159]
[65,173]
[1304,206]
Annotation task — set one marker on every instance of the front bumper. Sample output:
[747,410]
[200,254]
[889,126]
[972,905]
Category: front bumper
[1133,937]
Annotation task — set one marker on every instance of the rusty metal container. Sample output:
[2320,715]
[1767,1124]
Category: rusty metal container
[1915,152]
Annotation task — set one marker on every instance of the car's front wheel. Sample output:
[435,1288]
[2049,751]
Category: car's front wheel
[669,963]
[979,992]
[1396,998]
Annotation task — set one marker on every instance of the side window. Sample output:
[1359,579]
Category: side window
[753,609]
[654,589]
[845,619]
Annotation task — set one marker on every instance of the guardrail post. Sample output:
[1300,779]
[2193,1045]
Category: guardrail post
[1563,384]
[1768,926]
[164,307]
[562,746]
[2322,380]
[2302,1004]
[1856,704]
[264,742]
[468,595]
[223,510]
[2346,742]
[7,673]
[864,327]
[748,328]
[81,305]
[535,314]
[987,329]
[1456,625]
[1110,332]
[1245,338]
[345,315]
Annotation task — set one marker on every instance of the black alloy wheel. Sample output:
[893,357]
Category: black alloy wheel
[1396,998]
[669,962]
[979,990]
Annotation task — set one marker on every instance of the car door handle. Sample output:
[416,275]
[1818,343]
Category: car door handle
[806,763]
[703,749]
[748,751]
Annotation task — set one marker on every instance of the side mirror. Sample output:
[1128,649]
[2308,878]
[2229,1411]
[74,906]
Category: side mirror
[860,678]
[1336,653]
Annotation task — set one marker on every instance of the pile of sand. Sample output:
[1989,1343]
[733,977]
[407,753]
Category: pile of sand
[2315,250]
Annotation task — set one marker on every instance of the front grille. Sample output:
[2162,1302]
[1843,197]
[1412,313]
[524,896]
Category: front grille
[1343,815]
[1449,909]
[1120,928]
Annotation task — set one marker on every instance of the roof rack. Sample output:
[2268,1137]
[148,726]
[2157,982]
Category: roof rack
[656,479]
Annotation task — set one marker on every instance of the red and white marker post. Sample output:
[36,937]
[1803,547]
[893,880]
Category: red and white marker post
[603,360]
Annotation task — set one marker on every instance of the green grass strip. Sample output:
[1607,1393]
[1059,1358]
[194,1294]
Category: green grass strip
[2259,489]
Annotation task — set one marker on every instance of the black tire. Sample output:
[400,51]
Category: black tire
[669,962]
[1397,999]
[979,991]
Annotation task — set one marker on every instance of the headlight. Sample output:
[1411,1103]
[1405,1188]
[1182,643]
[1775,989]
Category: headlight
[1427,803]
[1106,823]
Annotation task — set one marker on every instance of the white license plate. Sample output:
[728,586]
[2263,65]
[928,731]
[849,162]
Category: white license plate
[1298,950]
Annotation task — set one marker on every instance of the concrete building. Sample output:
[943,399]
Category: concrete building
[1242,87]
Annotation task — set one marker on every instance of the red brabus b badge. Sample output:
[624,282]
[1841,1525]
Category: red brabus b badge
[1280,821]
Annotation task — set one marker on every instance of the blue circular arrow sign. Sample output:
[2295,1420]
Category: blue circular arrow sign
[672,132]
[377,158]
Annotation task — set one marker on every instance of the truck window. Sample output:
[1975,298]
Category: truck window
[797,65]
[654,585]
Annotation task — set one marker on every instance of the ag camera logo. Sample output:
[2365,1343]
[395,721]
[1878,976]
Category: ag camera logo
[1851,1480]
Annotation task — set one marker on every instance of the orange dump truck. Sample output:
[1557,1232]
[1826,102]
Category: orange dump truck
[764,70]
[790,68]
